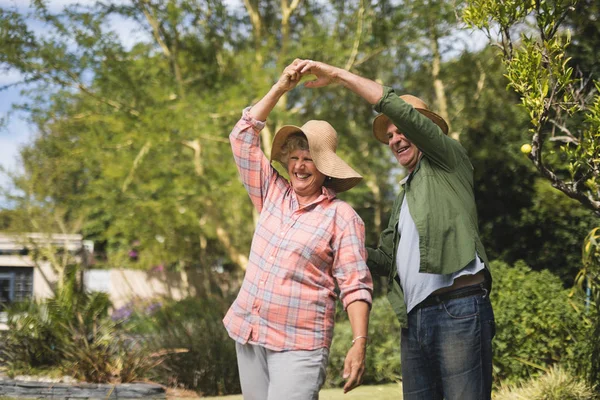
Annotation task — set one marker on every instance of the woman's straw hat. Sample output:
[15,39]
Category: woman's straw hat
[322,143]
[381,122]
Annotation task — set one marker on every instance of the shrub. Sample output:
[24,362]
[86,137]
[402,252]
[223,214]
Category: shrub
[383,353]
[71,332]
[40,331]
[208,362]
[537,323]
[556,384]
[30,342]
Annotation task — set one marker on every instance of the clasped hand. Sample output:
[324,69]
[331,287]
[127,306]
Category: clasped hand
[293,73]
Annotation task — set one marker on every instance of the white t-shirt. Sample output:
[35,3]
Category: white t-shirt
[417,285]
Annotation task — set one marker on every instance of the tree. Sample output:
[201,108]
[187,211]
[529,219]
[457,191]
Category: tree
[560,108]
[564,108]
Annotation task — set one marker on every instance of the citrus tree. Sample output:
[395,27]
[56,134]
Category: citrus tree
[563,104]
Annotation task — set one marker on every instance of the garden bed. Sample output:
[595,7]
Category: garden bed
[60,390]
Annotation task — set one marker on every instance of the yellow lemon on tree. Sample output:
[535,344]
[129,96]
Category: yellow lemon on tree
[526,148]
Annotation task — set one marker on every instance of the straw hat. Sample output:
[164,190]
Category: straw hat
[322,143]
[381,122]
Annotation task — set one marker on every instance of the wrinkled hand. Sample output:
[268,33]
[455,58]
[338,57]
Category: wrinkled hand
[354,366]
[326,74]
[290,76]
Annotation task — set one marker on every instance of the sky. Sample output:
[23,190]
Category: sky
[17,132]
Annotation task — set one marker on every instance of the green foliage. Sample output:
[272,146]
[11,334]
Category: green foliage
[555,384]
[589,278]
[132,142]
[198,353]
[539,69]
[39,330]
[88,354]
[537,324]
[31,341]
[383,353]
[72,332]
[550,233]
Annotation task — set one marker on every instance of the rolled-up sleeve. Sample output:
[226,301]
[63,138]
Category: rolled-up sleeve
[349,267]
[255,170]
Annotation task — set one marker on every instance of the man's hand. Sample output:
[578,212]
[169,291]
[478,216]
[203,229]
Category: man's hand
[326,74]
[354,365]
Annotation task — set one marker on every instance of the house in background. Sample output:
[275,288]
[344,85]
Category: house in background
[22,278]
[19,279]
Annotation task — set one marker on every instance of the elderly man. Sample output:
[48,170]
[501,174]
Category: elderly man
[430,250]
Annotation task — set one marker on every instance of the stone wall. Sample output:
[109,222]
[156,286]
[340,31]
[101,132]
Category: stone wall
[80,391]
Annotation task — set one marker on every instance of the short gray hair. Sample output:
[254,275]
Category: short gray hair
[295,141]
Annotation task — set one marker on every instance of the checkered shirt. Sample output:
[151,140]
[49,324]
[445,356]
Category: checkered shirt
[287,299]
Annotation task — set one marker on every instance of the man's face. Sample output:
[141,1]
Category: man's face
[404,150]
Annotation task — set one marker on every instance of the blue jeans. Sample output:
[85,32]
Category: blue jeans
[446,350]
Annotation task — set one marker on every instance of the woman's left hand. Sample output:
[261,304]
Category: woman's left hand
[290,76]
[354,365]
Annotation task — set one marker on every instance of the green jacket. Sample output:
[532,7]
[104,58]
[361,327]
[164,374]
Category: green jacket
[440,198]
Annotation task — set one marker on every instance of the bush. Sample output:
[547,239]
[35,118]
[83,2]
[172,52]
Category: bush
[30,342]
[41,331]
[72,333]
[383,353]
[537,324]
[199,354]
[556,384]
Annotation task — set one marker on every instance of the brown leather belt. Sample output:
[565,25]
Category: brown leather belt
[466,291]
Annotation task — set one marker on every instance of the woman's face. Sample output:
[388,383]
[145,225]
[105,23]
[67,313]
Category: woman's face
[304,176]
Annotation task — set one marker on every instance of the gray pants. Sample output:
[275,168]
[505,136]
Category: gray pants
[275,375]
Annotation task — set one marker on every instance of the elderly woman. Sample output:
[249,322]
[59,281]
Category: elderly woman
[306,241]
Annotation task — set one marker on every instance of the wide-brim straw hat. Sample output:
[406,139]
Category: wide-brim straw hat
[381,122]
[322,143]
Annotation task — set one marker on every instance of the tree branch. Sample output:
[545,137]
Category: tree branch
[197,147]
[144,150]
[170,54]
[357,36]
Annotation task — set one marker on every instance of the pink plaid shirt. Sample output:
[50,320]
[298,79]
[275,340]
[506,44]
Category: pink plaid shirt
[287,298]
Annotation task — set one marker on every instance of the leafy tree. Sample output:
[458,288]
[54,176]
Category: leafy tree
[538,70]
[563,109]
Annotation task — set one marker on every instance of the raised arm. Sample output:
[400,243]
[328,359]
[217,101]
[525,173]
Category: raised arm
[327,74]
[255,170]
[419,129]
[287,81]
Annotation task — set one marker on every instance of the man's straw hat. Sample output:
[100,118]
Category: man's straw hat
[322,143]
[381,122]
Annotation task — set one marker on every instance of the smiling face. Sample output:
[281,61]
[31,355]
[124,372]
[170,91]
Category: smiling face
[404,150]
[305,178]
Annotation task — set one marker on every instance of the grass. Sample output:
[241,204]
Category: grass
[392,391]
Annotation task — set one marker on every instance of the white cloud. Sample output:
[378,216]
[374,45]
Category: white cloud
[9,77]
